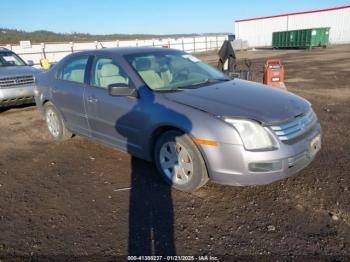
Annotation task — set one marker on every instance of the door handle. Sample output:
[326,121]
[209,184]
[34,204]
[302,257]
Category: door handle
[92,99]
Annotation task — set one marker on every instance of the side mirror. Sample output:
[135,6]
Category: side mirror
[121,90]
[30,62]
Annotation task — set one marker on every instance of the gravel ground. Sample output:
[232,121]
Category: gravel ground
[78,199]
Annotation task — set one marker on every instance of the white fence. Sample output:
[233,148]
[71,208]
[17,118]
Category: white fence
[56,51]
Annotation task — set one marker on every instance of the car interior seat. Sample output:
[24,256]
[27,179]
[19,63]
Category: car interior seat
[162,69]
[166,75]
[151,78]
[76,75]
[110,74]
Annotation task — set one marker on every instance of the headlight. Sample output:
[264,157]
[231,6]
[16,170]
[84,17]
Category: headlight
[253,135]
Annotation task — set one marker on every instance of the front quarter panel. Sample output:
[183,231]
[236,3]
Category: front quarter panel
[198,124]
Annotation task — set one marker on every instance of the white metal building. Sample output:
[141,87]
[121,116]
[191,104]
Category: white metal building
[258,31]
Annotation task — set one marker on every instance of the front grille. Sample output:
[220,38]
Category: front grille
[8,82]
[295,128]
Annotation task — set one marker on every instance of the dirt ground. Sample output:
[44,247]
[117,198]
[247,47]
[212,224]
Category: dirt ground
[78,199]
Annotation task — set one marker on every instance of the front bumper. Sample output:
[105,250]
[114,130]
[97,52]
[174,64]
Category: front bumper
[17,95]
[229,164]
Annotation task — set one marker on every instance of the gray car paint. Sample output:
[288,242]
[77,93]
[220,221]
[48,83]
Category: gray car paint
[195,112]
[239,98]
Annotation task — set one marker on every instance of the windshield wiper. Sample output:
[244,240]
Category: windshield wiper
[207,81]
[169,89]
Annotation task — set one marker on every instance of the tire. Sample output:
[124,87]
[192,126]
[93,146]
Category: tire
[55,123]
[187,163]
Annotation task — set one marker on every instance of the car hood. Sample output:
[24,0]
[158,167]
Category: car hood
[9,71]
[243,99]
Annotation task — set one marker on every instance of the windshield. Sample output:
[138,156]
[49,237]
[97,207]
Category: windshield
[10,59]
[163,71]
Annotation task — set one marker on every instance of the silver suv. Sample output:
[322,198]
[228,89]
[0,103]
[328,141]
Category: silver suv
[16,79]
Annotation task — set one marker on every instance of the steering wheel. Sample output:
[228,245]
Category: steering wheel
[181,75]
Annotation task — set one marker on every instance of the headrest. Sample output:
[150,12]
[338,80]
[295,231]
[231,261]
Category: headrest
[109,70]
[77,75]
[143,64]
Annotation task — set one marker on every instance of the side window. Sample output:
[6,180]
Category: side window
[105,72]
[74,70]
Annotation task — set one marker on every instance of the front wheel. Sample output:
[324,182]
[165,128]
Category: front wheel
[179,161]
[55,123]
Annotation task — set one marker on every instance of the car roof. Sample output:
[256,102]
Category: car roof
[3,49]
[127,50]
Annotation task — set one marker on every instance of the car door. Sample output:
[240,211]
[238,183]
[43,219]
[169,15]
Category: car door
[116,120]
[68,93]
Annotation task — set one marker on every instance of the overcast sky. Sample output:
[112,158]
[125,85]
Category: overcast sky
[147,16]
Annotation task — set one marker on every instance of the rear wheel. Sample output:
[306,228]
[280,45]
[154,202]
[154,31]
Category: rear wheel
[55,123]
[179,161]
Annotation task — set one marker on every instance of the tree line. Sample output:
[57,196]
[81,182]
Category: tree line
[13,36]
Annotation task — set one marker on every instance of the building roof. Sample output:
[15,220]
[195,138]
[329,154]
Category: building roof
[296,13]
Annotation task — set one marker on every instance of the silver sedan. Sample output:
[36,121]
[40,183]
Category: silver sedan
[169,107]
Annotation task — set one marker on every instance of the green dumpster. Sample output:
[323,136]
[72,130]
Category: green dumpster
[304,38]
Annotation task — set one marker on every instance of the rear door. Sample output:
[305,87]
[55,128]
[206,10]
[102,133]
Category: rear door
[116,120]
[68,93]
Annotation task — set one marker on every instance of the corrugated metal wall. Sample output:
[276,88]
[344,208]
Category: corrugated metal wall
[258,32]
